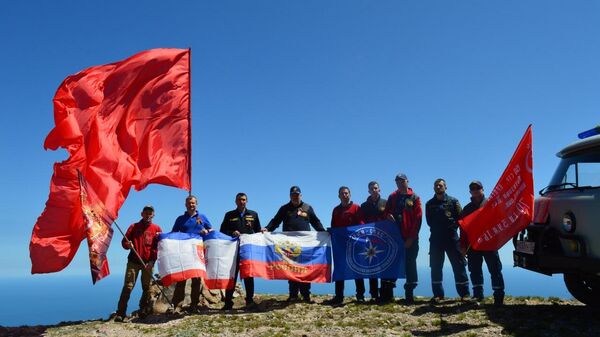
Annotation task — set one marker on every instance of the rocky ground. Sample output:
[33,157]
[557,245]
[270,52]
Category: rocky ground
[523,316]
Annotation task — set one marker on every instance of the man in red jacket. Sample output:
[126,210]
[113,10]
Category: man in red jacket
[346,214]
[143,238]
[404,208]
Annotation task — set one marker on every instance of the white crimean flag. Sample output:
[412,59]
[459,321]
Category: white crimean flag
[180,257]
[221,253]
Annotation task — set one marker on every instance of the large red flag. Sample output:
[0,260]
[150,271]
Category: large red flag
[509,208]
[124,124]
[98,228]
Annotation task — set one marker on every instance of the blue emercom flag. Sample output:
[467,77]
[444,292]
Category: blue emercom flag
[374,250]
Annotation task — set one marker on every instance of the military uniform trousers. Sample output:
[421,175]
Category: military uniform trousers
[492,260]
[450,247]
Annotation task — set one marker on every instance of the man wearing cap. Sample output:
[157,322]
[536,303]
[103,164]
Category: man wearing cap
[373,209]
[475,258]
[240,221]
[404,208]
[296,215]
[194,223]
[442,213]
[141,240]
[346,214]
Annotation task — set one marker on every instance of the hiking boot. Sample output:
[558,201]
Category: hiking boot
[334,301]
[227,306]
[307,300]
[250,304]
[467,299]
[360,300]
[118,319]
[292,299]
[436,299]
[498,301]
[478,295]
[409,297]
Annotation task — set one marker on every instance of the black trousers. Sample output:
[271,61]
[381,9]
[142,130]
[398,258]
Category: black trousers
[360,288]
[295,287]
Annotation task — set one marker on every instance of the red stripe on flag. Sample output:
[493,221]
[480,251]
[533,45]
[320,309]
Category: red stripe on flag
[220,283]
[320,273]
[169,279]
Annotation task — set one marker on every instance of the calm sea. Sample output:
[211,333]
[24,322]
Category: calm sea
[50,299]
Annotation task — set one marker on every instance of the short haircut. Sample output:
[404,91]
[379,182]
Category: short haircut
[439,180]
[190,197]
[343,188]
[241,194]
[373,183]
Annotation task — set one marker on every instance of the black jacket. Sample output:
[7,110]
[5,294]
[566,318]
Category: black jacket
[442,217]
[296,218]
[246,224]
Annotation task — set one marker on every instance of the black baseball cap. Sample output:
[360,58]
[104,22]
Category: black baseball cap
[475,184]
[295,190]
[401,176]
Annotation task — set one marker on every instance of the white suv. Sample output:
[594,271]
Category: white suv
[565,234]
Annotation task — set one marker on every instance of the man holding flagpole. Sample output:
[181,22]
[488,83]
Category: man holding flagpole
[141,240]
[194,223]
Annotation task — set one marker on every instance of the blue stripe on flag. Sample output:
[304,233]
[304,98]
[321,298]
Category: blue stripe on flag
[307,255]
[178,236]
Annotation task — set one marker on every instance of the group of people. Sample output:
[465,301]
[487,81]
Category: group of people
[403,207]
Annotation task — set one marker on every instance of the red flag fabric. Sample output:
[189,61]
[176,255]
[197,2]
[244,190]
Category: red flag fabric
[509,208]
[98,228]
[124,124]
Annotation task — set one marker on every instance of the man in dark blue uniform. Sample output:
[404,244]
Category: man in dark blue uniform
[475,257]
[442,213]
[296,215]
[240,221]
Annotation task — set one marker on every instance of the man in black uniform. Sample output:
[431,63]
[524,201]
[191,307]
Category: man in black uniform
[296,215]
[442,213]
[240,221]
[475,257]
[373,209]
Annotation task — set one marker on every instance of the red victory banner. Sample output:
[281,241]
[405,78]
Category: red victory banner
[124,124]
[509,208]
[98,229]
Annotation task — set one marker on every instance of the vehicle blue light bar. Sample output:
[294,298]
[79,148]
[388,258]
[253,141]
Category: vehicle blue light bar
[589,133]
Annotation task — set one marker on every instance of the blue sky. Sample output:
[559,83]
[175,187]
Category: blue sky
[311,93]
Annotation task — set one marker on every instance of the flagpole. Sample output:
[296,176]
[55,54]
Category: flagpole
[190,117]
[144,264]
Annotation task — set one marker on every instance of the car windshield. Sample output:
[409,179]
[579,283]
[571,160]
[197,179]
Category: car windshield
[578,171]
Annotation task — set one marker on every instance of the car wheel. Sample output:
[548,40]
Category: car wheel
[584,287]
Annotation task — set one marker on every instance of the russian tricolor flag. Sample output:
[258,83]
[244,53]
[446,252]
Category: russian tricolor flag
[221,259]
[180,257]
[297,256]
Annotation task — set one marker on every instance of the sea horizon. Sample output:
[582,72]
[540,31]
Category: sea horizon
[40,300]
